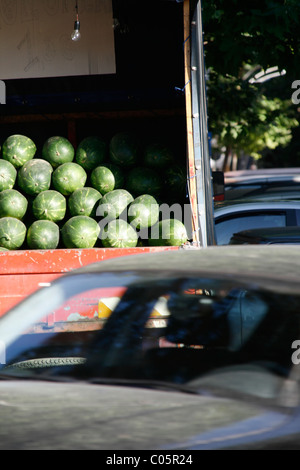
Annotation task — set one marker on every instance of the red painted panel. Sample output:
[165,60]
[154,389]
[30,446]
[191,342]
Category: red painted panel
[60,261]
[22,272]
[15,288]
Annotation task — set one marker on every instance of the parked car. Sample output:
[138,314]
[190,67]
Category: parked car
[267,236]
[187,350]
[233,217]
[280,183]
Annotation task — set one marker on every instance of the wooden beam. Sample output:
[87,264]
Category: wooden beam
[189,122]
[93,115]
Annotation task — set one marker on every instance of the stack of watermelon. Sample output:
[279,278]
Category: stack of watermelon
[101,194]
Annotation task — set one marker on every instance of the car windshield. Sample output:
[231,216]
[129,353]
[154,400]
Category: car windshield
[162,327]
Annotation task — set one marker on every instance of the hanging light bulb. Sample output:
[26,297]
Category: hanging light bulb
[75,36]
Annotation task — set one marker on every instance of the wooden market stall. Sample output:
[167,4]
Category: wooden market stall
[140,77]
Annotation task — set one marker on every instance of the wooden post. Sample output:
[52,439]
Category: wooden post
[189,122]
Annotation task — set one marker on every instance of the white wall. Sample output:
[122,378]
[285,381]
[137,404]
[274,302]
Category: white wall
[35,38]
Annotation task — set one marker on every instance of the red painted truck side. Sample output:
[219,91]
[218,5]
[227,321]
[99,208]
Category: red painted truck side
[22,272]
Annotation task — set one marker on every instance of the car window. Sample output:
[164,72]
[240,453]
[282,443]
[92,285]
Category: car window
[203,330]
[239,191]
[156,328]
[280,189]
[66,330]
[227,226]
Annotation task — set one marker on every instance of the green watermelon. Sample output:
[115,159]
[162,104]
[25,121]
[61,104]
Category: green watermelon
[143,212]
[18,149]
[43,235]
[91,152]
[118,175]
[49,205]
[8,175]
[102,179]
[175,180]
[80,232]
[124,149]
[35,176]
[157,155]
[69,177]
[168,232]
[143,181]
[84,201]
[58,150]
[114,203]
[106,178]
[13,204]
[12,233]
[118,234]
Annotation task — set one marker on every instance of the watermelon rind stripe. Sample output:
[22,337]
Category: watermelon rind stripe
[43,235]
[18,149]
[12,233]
[80,232]
[50,205]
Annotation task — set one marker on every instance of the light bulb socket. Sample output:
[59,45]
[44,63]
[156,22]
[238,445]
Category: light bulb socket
[77,25]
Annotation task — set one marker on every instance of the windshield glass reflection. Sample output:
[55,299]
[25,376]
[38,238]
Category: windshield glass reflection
[155,328]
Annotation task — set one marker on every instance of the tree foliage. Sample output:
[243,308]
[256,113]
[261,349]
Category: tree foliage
[264,32]
[241,37]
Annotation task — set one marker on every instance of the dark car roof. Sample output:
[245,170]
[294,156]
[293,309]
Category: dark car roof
[268,263]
